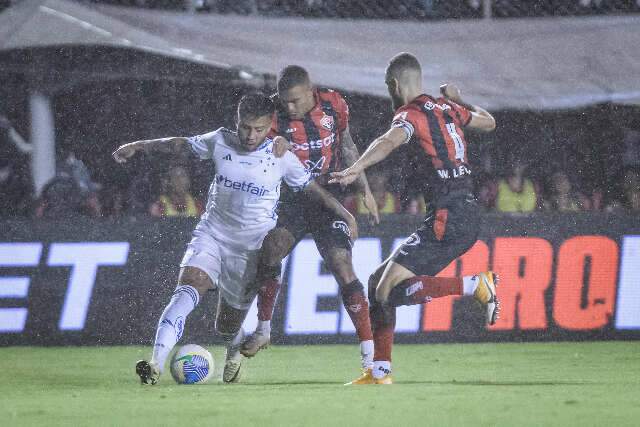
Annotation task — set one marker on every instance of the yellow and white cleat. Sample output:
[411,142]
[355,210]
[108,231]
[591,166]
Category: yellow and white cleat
[367,378]
[485,294]
[232,370]
[386,380]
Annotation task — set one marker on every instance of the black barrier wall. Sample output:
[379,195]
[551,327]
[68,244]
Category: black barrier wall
[87,282]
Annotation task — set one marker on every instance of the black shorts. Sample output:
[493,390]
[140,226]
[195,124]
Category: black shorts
[448,231]
[300,216]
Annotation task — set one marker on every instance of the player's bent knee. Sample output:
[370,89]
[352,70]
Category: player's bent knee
[276,246]
[269,272]
[339,262]
[373,283]
[196,278]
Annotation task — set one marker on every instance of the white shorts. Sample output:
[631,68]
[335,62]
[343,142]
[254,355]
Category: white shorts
[232,270]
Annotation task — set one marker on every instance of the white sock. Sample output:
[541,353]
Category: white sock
[366,354]
[171,325]
[264,327]
[381,368]
[233,342]
[469,284]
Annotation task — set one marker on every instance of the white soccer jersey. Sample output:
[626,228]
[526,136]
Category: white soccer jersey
[241,207]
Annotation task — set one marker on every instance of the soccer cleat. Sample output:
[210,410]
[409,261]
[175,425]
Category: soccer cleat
[233,360]
[367,378]
[386,380]
[232,368]
[485,294]
[148,372]
[256,342]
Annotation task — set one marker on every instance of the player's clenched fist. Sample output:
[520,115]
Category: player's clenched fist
[451,92]
[280,146]
[127,150]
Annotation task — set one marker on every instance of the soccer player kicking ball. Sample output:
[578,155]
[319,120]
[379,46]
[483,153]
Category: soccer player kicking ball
[223,251]
[433,130]
[315,121]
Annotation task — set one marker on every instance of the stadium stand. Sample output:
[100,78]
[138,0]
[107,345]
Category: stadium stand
[397,9]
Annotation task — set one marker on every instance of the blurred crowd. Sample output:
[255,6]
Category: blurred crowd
[176,185]
[397,9]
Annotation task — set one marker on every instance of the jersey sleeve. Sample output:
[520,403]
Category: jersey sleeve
[203,145]
[405,119]
[293,173]
[463,114]
[342,109]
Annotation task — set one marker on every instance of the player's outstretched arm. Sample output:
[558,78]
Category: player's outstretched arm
[377,151]
[166,145]
[481,119]
[350,155]
[318,194]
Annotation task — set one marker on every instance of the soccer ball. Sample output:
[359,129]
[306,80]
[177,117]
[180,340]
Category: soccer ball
[191,364]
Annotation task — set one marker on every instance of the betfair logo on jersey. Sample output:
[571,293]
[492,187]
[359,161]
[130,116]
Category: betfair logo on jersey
[247,187]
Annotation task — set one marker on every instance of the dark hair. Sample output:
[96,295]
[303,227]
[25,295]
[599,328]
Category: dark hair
[291,76]
[403,61]
[254,105]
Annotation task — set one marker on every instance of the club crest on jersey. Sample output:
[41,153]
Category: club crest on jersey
[327,122]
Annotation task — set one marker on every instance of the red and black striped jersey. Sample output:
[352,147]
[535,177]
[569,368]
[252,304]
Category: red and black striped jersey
[434,128]
[316,139]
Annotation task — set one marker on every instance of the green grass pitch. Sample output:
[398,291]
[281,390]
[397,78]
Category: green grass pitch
[562,384]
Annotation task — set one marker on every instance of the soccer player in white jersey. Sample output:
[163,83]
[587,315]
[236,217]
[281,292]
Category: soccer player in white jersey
[225,244]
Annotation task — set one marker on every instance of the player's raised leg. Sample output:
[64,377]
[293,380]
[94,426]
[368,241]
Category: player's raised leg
[276,245]
[192,284]
[422,289]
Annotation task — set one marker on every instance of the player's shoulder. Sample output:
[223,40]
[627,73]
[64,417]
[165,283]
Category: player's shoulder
[266,148]
[221,131]
[222,137]
[223,134]
[327,94]
[408,111]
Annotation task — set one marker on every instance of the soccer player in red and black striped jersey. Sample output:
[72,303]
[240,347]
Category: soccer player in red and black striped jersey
[315,121]
[433,128]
